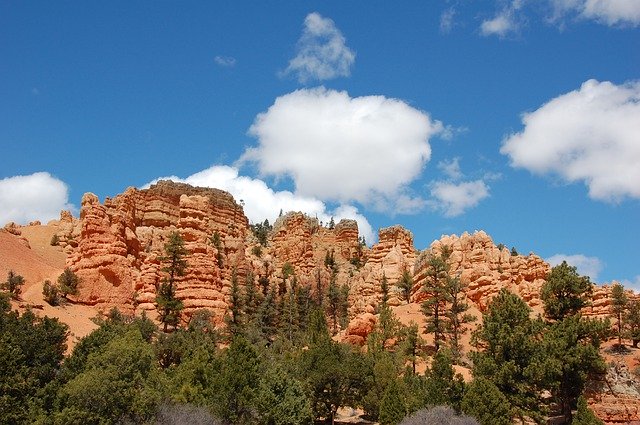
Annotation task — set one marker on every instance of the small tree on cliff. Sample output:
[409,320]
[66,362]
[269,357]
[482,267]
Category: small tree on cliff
[68,283]
[169,306]
[13,284]
[619,302]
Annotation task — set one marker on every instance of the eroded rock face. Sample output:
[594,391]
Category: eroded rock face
[615,397]
[486,269]
[390,257]
[120,243]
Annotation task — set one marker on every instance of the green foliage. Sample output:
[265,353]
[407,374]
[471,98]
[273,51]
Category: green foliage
[50,293]
[257,251]
[484,401]
[261,231]
[443,386]
[632,322]
[332,373]
[384,289]
[514,252]
[411,343]
[31,351]
[119,383]
[405,283]
[510,353]
[169,306]
[571,347]
[234,321]
[434,287]
[217,243]
[287,270]
[68,283]
[392,407]
[619,302]
[584,415]
[13,284]
[456,315]
[565,292]
[55,240]
[282,400]
[330,261]
[234,391]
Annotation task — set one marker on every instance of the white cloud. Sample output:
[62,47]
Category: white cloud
[590,135]
[501,25]
[262,202]
[609,12]
[225,61]
[451,168]
[632,284]
[322,52]
[447,20]
[586,266]
[38,196]
[454,199]
[337,148]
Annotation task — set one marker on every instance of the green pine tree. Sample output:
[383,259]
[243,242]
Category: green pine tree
[435,289]
[619,302]
[584,415]
[392,407]
[565,292]
[68,283]
[169,306]
[484,401]
[13,284]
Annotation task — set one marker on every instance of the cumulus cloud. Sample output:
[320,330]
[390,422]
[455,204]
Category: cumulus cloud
[590,135]
[451,168]
[322,52]
[454,198]
[337,148]
[225,61]
[38,196]
[632,284]
[501,25]
[261,202]
[586,266]
[609,12]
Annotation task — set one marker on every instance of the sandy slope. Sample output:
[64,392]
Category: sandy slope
[36,264]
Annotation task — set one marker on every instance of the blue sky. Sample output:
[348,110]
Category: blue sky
[521,118]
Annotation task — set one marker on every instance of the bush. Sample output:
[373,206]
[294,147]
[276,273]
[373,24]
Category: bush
[257,251]
[68,283]
[13,284]
[440,415]
[50,293]
[55,240]
[176,414]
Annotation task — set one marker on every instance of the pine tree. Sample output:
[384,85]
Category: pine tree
[234,320]
[290,313]
[68,283]
[455,314]
[584,415]
[50,293]
[343,313]
[484,401]
[384,289]
[268,316]
[392,407]
[632,322]
[510,354]
[619,301]
[333,302]
[565,292]
[175,266]
[411,344]
[13,284]
[405,283]
[434,288]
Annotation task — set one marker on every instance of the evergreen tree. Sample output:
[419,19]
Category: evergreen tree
[584,415]
[268,316]
[343,311]
[434,288]
[50,293]
[384,289]
[632,322]
[484,401]
[169,305]
[68,283]
[392,407]
[217,243]
[251,298]
[304,304]
[334,302]
[290,313]
[619,301]
[13,284]
[234,320]
[443,386]
[456,315]
[571,348]
[405,283]
[510,353]
[282,400]
[411,344]
[565,292]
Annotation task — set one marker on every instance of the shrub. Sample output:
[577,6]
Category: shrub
[55,240]
[441,415]
[174,414]
[50,293]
